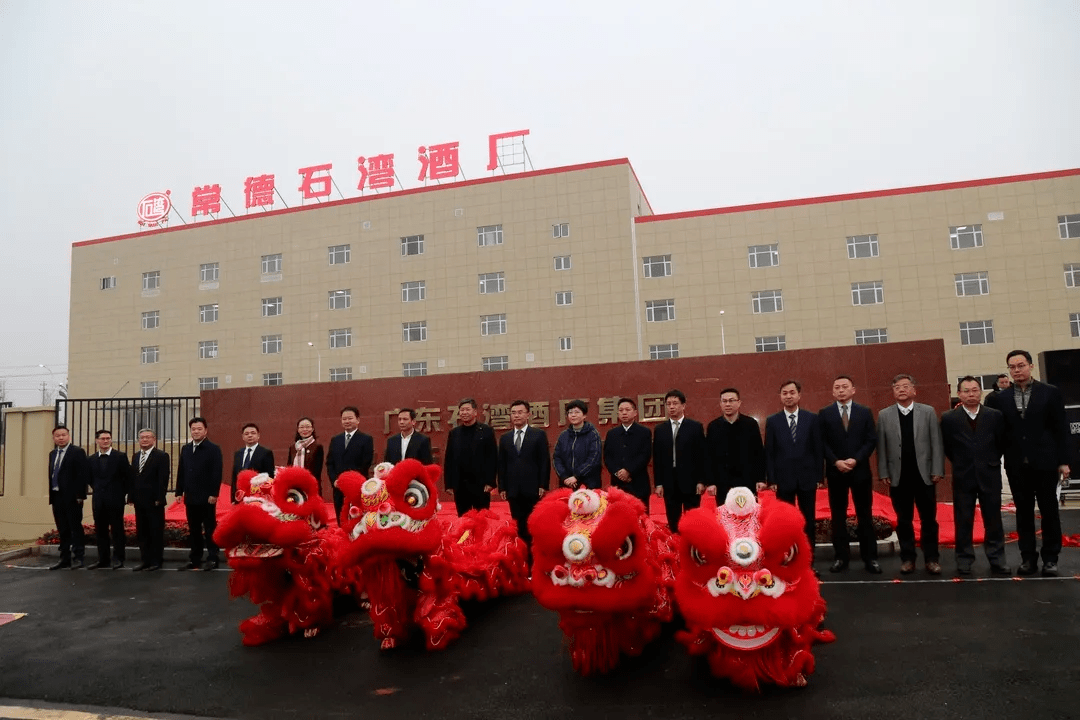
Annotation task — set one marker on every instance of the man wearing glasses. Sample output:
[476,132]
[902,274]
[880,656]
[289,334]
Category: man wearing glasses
[1036,458]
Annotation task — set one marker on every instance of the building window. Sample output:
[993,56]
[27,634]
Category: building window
[770,343]
[489,235]
[664,352]
[151,320]
[412,245]
[565,297]
[1069,226]
[1072,275]
[566,343]
[413,291]
[414,369]
[271,307]
[768,301]
[340,374]
[339,254]
[867,293]
[862,246]
[965,237]
[341,338]
[209,272]
[207,349]
[149,355]
[492,283]
[498,362]
[986,382]
[659,310]
[560,230]
[493,324]
[973,283]
[340,299]
[414,331]
[272,379]
[208,313]
[271,264]
[871,337]
[655,266]
[151,280]
[108,283]
[978,332]
[562,262]
[764,255]
[208,383]
[149,389]
[1074,324]
[271,344]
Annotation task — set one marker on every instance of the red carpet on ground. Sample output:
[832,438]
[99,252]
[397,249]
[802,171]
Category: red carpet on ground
[882,508]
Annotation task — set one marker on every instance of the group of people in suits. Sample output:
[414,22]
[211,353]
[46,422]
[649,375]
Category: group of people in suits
[1024,423]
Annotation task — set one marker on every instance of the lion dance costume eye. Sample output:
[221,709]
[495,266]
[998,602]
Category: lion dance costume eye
[748,593]
[414,567]
[606,569]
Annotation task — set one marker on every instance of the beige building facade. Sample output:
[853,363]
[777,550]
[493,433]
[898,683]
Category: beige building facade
[570,266]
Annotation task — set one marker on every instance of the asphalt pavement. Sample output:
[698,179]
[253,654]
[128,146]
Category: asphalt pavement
[167,642]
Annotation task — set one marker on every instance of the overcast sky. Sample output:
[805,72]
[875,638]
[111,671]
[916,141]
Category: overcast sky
[714,103]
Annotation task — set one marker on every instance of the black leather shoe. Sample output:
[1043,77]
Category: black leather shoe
[1050,569]
[838,566]
[61,565]
[117,565]
[190,566]
[964,570]
[77,565]
[1028,567]
[873,567]
[1000,571]
[210,565]
[97,566]
[152,568]
[140,567]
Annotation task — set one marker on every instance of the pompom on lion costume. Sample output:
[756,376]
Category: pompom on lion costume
[748,593]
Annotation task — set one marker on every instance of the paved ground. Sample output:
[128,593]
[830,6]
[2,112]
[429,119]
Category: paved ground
[167,642]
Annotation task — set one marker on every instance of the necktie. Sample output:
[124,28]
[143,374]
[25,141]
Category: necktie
[247,459]
[517,439]
[844,416]
[142,460]
[792,425]
[56,469]
[674,434]
[348,437]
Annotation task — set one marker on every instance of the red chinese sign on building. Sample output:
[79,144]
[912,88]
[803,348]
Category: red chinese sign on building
[377,172]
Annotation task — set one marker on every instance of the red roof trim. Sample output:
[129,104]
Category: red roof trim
[861,195]
[368,198]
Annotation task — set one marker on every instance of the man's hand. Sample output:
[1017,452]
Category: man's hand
[711,490]
[79,500]
[450,492]
[570,481]
[845,465]
[700,488]
[761,486]
[502,495]
[623,475]
[541,492]
[1064,471]
[212,500]
[936,479]
[884,480]
[659,491]
[488,489]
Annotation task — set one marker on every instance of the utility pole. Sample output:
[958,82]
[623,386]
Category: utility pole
[44,393]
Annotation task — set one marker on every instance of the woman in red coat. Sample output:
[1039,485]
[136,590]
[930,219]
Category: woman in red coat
[306,451]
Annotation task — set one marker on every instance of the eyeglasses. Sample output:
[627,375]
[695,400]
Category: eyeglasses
[1018,366]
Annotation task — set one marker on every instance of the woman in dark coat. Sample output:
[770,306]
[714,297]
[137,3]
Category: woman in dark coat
[306,451]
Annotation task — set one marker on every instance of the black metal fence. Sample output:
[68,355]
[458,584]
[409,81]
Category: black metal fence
[3,441]
[125,417]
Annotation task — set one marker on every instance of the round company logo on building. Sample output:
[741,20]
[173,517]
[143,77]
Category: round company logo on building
[154,209]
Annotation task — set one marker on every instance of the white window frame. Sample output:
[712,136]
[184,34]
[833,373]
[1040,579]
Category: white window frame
[208,383]
[209,272]
[656,266]
[871,292]
[871,336]
[489,235]
[493,324]
[1074,324]
[971,284]
[412,245]
[340,374]
[340,338]
[151,280]
[272,307]
[664,351]
[339,299]
[272,344]
[566,343]
[271,264]
[770,253]
[1068,226]
[208,313]
[762,300]
[339,254]
[561,262]
[770,343]
[151,354]
[977,328]
[151,385]
[272,379]
[492,283]
[564,297]
[1072,275]
[413,287]
[414,369]
[495,363]
[108,283]
[856,243]
[151,320]
[208,349]
[958,235]
[414,331]
[660,310]
[560,230]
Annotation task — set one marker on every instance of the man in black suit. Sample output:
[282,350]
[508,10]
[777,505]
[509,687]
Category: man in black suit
[69,476]
[849,439]
[794,454]
[627,450]
[252,456]
[735,454]
[198,482]
[150,470]
[524,469]
[678,459]
[110,475]
[349,450]
[471,461]
[1037,456]
[415,445]
[1002,384]
[973,437]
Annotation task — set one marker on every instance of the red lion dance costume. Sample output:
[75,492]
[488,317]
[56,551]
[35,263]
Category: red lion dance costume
[606,568]
[280,550]
[416,568]
[748,593]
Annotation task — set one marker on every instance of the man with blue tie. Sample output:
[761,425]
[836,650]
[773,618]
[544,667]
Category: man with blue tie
[794,454]
[69,476]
